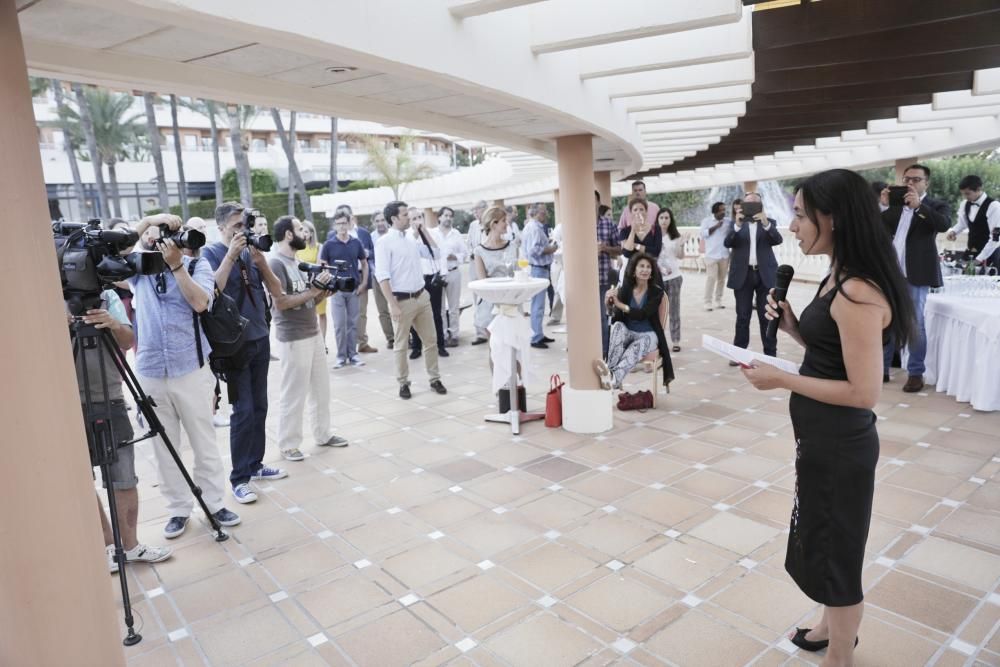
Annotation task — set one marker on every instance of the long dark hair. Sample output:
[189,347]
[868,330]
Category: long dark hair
[672,227]
[861,244]
[732,208]
[628,282]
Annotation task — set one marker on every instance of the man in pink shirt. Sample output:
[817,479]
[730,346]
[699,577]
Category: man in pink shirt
[652,210]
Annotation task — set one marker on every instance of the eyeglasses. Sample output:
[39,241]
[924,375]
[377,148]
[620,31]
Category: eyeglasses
[912,179]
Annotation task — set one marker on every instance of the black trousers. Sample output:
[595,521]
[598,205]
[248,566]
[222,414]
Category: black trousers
[435,294]
[753,287]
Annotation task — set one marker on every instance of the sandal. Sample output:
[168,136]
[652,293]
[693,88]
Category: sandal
[800,640]
[603,373]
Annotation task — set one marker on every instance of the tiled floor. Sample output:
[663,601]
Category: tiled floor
[436,538]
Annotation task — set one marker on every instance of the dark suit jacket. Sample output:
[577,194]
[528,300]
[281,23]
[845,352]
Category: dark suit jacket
[739,261]
[923,269]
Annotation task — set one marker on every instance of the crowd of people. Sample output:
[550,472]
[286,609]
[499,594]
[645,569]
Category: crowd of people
[884,259]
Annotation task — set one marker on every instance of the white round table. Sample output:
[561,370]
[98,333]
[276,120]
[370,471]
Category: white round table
[510,338]
[963,348]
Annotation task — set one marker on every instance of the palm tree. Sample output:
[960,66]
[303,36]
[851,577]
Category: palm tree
[69,147]
[85,126]
[153,133]
[395,167]
[239,116]
[181,183]
[334,148]
[294,176]
[210,109]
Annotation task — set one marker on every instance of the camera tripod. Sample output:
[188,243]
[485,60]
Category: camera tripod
[103,445]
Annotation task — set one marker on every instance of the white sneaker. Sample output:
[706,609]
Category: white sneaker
[244,494]
[293,455]
[356,361]
[109,551]
[147,554]
[220,420]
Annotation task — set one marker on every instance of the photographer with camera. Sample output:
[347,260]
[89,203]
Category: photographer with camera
[111,316]
[241,272]
[173,372]
[304,374]
[346,253]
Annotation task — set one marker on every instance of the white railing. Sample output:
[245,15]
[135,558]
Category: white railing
[810,268]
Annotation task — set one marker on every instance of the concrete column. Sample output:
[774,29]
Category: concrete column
[586,407]
[602,183]
[57,607]
[749,186]
[902,164]
[556,207]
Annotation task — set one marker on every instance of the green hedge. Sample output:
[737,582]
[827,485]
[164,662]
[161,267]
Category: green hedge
[262,181]
[271,205]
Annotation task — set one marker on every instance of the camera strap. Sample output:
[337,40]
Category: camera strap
[430,248]
[245,276]
[194,318]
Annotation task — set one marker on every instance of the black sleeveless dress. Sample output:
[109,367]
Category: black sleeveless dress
[836,449]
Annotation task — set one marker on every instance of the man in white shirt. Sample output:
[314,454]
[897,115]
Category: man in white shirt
[453,251]
[475,235]
[380,229]
[401,279]
[652,209]
[980,214]
[713,231]
[555,295]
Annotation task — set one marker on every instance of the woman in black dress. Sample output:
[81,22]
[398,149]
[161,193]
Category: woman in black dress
[836,445]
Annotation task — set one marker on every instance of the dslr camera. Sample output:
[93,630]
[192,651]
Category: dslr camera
[189,239]
[262,242]
[90,261]
[342,281]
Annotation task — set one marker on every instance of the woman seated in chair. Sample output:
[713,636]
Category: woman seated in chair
[637,311]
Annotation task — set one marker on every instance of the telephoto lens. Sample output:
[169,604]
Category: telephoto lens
[189,239]
[262,242]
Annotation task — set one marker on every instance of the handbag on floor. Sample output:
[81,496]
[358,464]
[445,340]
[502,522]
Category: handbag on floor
[640,400]
[553,403]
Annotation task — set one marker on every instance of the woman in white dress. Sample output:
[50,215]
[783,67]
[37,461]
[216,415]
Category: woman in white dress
[669,263]
[495,257]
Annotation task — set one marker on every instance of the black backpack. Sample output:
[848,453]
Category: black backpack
[225,329]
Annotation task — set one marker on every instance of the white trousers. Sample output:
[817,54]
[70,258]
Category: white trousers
[453,297]
[187,401]
[304,378]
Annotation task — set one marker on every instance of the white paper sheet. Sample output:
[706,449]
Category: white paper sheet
[746,357]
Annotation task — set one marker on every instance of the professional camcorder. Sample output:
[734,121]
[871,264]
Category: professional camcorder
[262,242]
[90,261]
[342,281]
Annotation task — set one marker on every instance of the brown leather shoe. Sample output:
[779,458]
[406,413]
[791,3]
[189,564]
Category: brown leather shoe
[367,349]
[914,383]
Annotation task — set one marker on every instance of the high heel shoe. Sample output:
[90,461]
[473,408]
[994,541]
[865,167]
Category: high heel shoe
[806,645]
[603,373]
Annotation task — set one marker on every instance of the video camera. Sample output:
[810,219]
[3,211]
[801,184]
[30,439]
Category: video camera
[341,281]
[90,261]
[262,242]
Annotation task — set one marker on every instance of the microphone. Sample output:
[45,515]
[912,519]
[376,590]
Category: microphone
[785,274]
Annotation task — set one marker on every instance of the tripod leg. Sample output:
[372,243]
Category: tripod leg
[145,405]
[131,637]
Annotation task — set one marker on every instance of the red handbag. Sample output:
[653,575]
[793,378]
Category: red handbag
[553,403]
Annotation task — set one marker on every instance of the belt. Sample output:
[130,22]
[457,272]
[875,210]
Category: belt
[454,268]
[403,296]
[541,266]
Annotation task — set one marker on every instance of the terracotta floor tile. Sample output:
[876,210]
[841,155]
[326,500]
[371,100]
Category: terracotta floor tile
[477,602]
[974,525]
[619,602]
[556,469]
[397,639]
[235,641]
[446,510]
[605,487]
[697,640]
[922,601]
[735,533]
[543,640]
[462,470]
[423,564]
[612,535]
[979,569]
[771,603]
[551,566]
[663,507]
[684,565]
[342,599]
[554,510]
[489,533]
[709,485]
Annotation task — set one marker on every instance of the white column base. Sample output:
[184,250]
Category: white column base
[587,410]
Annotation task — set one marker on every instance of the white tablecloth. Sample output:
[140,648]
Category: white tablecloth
[963,348]
[509,331]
